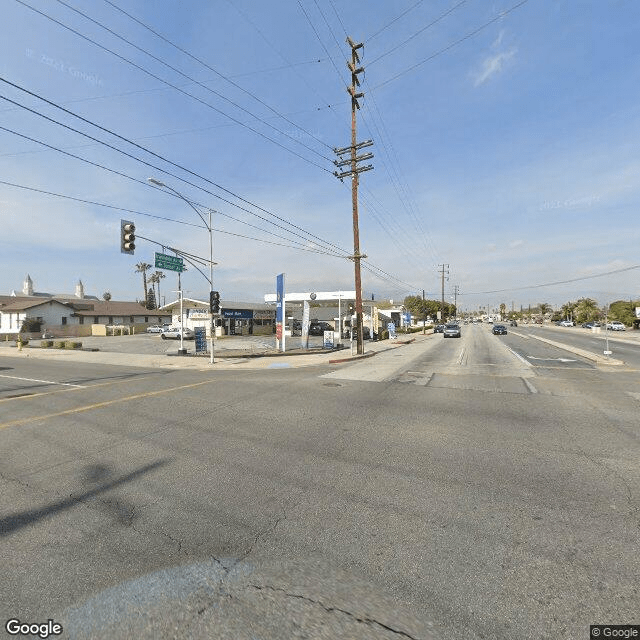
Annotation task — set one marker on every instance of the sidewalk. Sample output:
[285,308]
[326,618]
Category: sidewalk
[293,359]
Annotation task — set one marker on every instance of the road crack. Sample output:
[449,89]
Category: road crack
[331,609]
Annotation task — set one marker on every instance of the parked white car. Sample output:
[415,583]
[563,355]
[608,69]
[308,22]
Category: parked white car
[154,328]
[174,333]
[567,323]
[616,326]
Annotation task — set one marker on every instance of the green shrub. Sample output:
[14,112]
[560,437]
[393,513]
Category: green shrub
[70,344]
[384,335]
[59,344]
[45,344]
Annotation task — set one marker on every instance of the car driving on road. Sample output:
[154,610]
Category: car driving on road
[452,331]
[499,330]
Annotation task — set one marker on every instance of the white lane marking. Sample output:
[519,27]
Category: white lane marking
[66,384]
[552,359]
[529,386]
[460,357]
[517,355]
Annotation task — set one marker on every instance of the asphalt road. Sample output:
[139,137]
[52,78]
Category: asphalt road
[454,488]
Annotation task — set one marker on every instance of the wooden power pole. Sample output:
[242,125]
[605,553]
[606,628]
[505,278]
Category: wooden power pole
[352,160]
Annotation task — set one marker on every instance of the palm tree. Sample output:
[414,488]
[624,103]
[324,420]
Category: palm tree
[179,279]
[544,308]
[143,267]
[157,276]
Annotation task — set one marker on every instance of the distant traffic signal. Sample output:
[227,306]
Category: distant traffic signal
[214,301]
[127,237]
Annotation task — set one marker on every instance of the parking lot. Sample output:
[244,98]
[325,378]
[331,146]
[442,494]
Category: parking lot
[153,344]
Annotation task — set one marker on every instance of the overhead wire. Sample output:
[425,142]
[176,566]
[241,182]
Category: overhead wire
[124,175]
[386,26]
[303,79]
[166,219]
[441,17]
[557,282]
[177,88]
[156,167]
[221,75]
[451,45]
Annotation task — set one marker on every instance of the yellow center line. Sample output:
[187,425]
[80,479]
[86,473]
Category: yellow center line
[48,393]
[98,405]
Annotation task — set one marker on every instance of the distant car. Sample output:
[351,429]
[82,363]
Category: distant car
[567,323]
[366,333]
[616,326]
[513,323]
[499,330]
[155,328]
[318,328]
[173,333]
[452,331]
[439,328]
[590,325]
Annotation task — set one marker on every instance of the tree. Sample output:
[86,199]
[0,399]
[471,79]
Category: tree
[503,310]
[106,296]
[143,267]
[151,298]
[586,310]
[544,307]
[422,308]
[155,278]
[622,311]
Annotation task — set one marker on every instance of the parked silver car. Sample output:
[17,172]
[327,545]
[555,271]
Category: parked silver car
[174,333]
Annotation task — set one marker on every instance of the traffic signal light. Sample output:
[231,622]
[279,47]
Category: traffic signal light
[214,301]
[127,237]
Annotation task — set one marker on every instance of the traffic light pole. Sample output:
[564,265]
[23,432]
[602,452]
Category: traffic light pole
[209,227]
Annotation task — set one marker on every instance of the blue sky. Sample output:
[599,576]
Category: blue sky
[505,142]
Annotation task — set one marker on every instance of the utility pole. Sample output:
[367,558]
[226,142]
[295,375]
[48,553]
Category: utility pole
[445,269]
[424,316]
[353,160]
[456,289]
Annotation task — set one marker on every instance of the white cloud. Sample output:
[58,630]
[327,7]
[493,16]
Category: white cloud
[492,65]
[516,243]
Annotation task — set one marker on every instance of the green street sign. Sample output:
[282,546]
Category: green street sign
[170,263]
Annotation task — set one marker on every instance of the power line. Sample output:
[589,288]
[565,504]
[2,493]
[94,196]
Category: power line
[469,35]
[442,16]
[234,5]
[177,88]
[164,218]
[149,164]
[208,66]
[386,26]
[551,284]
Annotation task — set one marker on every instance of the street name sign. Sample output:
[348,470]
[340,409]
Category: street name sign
[170,263]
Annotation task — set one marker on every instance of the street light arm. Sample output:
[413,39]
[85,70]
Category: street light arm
[166,186]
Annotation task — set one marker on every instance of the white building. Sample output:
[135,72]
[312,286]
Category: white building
[70,314]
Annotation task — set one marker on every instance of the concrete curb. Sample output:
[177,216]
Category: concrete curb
[352,358]
[598,359]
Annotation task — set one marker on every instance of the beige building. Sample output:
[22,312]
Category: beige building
[71,314]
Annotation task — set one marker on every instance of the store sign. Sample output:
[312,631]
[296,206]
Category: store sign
[238,314]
